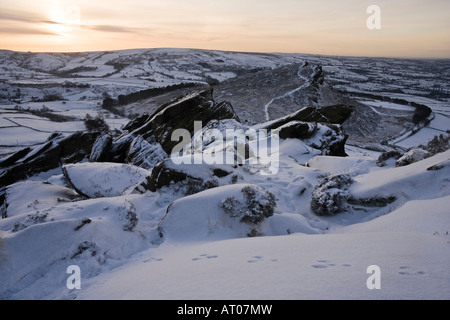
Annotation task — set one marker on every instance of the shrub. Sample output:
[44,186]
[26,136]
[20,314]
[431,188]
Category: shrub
[438,144]
[95,124]
[259,204]
[381,161]
[330,196]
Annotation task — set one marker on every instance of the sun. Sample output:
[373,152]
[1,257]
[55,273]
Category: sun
[63,20]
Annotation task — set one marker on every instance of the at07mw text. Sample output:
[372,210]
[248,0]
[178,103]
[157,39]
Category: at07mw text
[246,309]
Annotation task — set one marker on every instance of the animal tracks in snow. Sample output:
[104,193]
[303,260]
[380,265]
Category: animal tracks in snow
[327,264]
[259,259]
[406,271]
[205,256]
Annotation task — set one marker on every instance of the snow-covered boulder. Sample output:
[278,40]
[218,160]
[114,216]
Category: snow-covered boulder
[225,212]
[103,179]
[187,178]
[411,156]
[29,196]
[400,184]
[328,138]
[94,234]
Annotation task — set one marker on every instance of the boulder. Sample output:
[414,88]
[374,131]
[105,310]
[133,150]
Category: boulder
[334,114]
[187,178]
[225,212]
[181,114]
[50,155]
[144,154]
[101,149]
[328,138]
[411,156]
[14,157]
[98,180]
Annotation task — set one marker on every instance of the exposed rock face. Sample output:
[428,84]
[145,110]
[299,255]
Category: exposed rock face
[412,156]
[50,155]
[328,138]
[273,93]
[181,114]
[192,178]
[335,114]
[144,154]
[148,138]
[101,149]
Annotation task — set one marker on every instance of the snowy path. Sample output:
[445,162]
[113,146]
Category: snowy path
[287,94]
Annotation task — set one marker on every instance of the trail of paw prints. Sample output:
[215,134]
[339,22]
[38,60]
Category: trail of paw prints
[152,259]
[406,271]
[259,259]
[322,264]
[205,256]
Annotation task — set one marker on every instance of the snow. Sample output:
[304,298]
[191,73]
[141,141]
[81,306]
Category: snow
[413,181]
[104,179]
[205,253]
[15,136]
[332,266]
[165,245]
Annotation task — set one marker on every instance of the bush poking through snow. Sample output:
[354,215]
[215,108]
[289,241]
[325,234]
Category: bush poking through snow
[438,144]
[259,204]
[330,196]
[385,156]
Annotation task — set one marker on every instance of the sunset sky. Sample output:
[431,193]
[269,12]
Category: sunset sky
[409,28]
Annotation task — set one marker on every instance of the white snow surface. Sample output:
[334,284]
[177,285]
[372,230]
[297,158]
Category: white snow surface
[163,245]
[97,180]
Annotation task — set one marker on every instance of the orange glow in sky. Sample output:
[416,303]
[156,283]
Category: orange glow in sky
[409,28]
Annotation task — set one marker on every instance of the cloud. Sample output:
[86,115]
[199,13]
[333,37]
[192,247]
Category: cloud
[109,28]
[19,17]
[99,27]
[25,30]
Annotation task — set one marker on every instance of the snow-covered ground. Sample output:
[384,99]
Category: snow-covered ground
[204,253]
[166,245]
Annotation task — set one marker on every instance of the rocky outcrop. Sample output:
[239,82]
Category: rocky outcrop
[147,139]
[98,180]
[181,114]
[50,155]
[335,114]
[328,138]
[186,178]
[101,149]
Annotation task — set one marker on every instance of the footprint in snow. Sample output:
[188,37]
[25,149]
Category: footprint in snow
[259,258]
[152,259]
[205,256]
[326,264]
[405,271]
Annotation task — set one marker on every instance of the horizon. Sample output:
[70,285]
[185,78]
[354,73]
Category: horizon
[231,51]
[351,28]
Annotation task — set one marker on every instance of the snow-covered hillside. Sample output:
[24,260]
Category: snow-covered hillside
[308,208]
[134,246]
